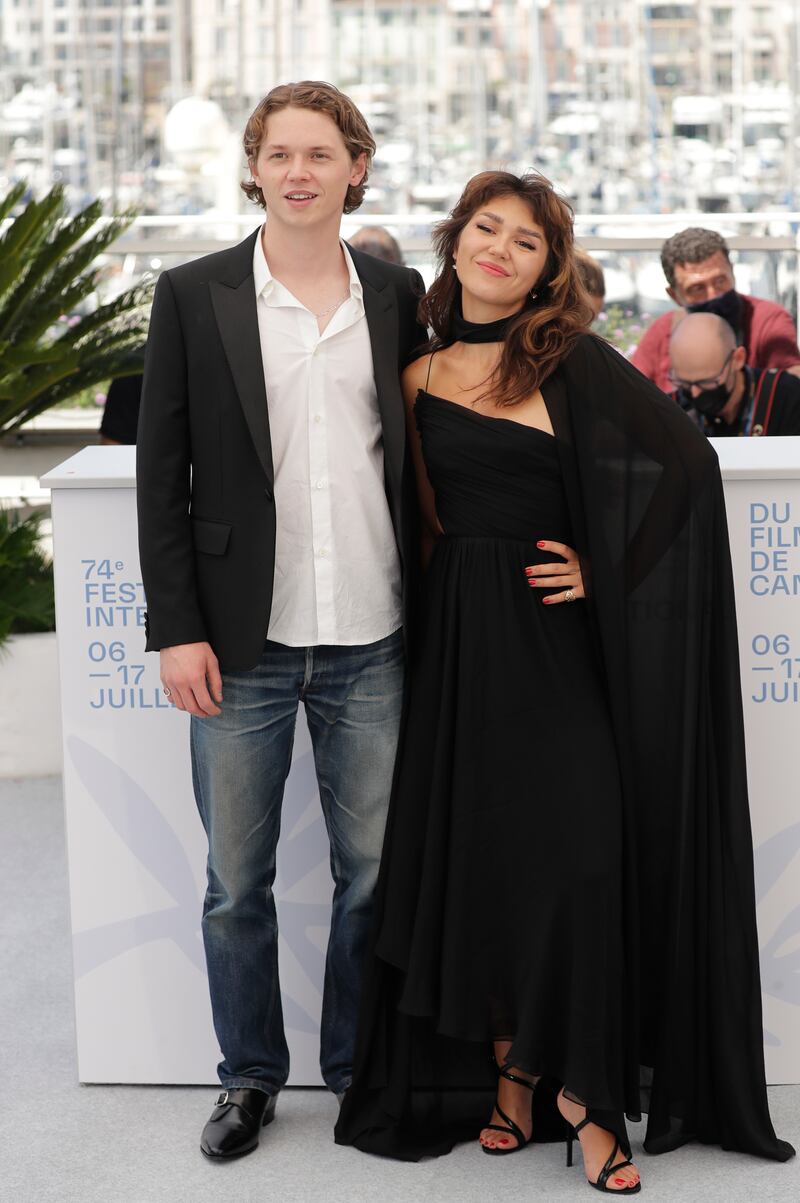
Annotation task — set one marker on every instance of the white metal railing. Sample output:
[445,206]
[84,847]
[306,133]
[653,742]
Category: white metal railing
[765,246]
[198,234]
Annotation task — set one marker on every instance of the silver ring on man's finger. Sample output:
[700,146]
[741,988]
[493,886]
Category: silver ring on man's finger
[167,692]
[569,596]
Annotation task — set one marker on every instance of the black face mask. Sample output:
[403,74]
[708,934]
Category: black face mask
[727,306]
[709,402]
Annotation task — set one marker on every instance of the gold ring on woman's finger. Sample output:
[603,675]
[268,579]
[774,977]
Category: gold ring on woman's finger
[569,596]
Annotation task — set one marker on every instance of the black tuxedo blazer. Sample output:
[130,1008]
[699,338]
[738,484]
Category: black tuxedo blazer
[204,461]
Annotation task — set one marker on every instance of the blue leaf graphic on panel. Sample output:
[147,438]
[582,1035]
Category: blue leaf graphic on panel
[98,945]
[772,858]
[137,819]
[780,973]
[297,1018]
[144,830]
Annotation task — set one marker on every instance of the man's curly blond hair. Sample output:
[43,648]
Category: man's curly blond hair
[324,98]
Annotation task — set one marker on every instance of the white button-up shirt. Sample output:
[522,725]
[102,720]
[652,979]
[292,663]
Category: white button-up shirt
[337,569]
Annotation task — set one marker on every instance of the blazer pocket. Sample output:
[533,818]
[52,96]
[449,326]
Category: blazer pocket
[210,537]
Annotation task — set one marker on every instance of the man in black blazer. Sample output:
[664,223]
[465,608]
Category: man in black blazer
[277,531]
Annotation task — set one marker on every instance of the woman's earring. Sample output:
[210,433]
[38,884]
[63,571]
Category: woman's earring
[534,295]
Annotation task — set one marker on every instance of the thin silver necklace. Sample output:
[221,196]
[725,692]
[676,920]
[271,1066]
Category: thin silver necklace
[325,312]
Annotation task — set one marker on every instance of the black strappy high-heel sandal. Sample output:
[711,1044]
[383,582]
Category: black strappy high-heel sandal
[608,1169]
[511,1129]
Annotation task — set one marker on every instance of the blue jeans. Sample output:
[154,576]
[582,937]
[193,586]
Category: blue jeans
[240,761]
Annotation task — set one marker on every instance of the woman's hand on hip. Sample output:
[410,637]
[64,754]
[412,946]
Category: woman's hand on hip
[566,576]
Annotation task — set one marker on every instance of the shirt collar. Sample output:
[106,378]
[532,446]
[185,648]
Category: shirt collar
[266,283]
[262,276]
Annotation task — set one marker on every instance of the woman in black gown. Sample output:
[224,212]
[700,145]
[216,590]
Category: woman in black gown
[565,913]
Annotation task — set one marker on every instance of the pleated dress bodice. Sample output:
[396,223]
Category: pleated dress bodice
[493,477]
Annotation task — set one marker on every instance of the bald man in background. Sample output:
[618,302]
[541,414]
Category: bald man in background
[720,391]
[699,274]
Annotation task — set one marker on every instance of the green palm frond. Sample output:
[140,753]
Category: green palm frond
[39,377]
[11,199]
[126,360]
[129,304]
[48,268]
[25,233]
[86,252]
[23,354]
[27,601]
[46,259]
[55,304]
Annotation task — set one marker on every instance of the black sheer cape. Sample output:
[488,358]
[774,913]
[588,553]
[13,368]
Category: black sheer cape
[648,516]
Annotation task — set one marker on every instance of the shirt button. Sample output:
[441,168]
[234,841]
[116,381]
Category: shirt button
[317,417]
[323,552]
[320,484]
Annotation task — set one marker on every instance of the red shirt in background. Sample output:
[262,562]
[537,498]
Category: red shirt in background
[768,333]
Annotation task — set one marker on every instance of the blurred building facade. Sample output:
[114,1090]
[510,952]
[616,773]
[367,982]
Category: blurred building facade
[627,103]
[92,82]
[242,49]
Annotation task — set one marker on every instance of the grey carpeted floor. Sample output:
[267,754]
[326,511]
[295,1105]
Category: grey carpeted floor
[60,1141]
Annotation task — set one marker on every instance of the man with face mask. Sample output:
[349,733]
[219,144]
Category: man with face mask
[720,391]
[698,268]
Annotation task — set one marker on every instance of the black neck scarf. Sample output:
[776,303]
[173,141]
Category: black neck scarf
[462,331]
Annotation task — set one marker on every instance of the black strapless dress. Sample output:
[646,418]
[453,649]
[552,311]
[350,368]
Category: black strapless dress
[500,901]
[568,859]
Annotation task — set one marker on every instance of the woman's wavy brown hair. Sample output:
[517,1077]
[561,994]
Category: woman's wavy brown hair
[548,326]
[324,98]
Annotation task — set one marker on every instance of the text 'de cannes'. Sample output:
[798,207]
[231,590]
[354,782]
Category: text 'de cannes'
[774,544]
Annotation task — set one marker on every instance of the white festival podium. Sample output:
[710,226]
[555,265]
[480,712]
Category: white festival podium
[135,845]
[762,498]
[136,848]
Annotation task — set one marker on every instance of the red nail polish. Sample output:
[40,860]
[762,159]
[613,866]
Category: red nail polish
[528,571]
[531,580]
[503,1142]
[546,601]
[540,543]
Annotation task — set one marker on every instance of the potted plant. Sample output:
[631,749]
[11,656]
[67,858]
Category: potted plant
[48,270]
[30,743]
[56,340]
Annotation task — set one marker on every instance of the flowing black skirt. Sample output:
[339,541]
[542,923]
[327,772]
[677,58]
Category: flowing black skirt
[568,859]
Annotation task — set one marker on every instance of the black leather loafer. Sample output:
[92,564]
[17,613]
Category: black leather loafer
[236,1122]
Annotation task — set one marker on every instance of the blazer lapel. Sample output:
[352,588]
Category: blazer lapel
[234,302]
[380,307]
